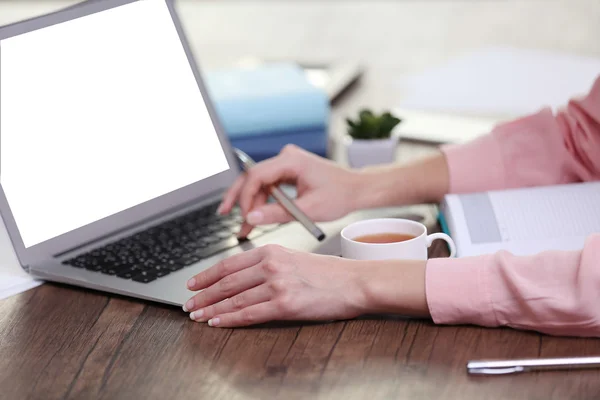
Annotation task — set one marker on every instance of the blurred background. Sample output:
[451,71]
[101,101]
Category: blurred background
[396,36]
[387,40]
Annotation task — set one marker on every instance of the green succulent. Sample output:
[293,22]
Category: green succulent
[371,126]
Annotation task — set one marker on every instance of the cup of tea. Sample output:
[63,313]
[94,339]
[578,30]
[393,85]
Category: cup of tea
[389,239]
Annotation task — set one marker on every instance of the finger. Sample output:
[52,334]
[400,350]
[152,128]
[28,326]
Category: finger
[246,228]
[266,173]
[256,314]
[231,196]
[224,268]
[275,214]
[256,295]
[229,286]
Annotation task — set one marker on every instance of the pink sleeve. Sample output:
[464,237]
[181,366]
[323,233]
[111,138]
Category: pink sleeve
[552,292]
[557,293]
[540,149]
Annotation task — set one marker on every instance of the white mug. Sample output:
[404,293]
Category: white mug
[412,249]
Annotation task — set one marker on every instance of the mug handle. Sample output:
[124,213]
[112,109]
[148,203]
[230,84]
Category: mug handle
[446,238]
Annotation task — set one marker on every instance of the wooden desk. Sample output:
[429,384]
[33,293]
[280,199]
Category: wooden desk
[63,343]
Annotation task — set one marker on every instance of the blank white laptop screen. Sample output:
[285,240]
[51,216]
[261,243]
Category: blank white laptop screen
[97,115]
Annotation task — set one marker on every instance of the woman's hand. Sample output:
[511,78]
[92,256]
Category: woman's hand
[273,283]
[326,191]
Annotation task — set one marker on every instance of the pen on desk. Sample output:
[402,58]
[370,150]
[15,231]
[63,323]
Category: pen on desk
[499,367]
[284,200]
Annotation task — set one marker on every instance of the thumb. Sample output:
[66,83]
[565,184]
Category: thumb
[273,213]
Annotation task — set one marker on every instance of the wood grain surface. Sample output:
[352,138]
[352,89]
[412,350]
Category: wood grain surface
[58,342]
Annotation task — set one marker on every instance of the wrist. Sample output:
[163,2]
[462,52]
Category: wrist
[423,181]
[393,287]
[368,188]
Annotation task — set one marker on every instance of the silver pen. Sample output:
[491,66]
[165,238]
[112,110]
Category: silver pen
[284,200]
[498,367]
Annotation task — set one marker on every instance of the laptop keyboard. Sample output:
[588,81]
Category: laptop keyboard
[166,248]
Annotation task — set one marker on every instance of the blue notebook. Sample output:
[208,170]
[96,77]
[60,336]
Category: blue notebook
[264,108]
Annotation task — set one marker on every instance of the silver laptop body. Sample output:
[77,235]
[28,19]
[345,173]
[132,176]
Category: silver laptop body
[40,247]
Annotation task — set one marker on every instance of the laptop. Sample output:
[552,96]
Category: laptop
[112,159]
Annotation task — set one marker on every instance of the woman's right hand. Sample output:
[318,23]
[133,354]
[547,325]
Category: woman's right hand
[326,191]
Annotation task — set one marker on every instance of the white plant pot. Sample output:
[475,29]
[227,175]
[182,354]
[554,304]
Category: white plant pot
[362,153]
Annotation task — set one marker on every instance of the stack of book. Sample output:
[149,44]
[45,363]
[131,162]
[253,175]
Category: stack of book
[264,108]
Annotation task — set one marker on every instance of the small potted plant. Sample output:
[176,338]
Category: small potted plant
[370,139]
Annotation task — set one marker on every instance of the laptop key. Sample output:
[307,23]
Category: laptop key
[188,259]
[130,272]
[213,249]
[223,234]
[117,268]
[94,267]
[77,263]
[145,277]
[174,267]
[211,240]
[162,273]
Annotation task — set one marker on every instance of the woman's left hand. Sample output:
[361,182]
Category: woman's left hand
[273,283]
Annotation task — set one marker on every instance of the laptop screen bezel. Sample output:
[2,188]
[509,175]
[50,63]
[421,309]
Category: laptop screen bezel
[136,215]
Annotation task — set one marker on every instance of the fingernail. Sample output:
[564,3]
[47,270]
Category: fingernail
[196,315]
[189,305]
[213,322]
[191,283]
[254,218]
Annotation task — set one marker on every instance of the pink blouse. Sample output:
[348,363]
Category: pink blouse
[553,292]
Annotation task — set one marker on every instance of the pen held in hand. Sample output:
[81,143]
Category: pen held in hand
[284,200]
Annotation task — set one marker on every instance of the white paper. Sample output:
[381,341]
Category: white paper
[548,212]
[11,285]
[500,81]
[13,279]
[441,127]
